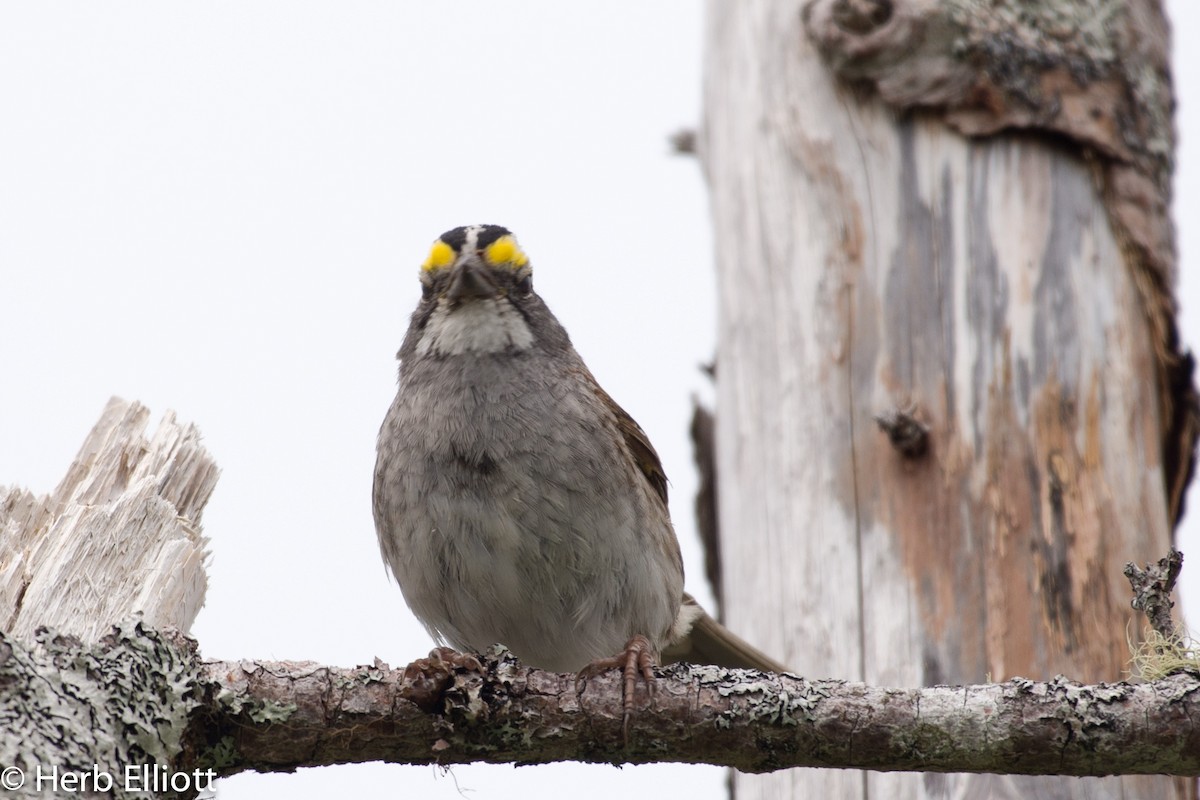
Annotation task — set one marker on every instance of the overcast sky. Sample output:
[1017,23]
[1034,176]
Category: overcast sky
[219,208]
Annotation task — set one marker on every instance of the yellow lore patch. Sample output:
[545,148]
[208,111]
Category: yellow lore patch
[440,255]
[505,252]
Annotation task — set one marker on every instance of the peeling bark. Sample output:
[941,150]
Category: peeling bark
[1096,72]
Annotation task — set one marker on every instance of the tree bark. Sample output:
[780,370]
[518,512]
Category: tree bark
[1011,294]
[139,705]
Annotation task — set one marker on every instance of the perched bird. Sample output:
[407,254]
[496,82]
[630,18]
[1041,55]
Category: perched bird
[514,500]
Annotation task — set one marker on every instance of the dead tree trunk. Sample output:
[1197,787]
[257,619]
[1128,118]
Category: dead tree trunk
[889,243]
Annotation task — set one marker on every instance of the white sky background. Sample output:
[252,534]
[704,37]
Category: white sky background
[220,208]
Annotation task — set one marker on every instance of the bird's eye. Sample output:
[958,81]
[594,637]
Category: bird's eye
[426,291]
[525,285]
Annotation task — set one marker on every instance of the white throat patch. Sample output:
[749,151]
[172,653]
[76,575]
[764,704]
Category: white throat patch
[485,325]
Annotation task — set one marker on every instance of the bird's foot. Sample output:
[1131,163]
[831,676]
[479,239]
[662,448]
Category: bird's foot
[637,658]
[449,657]
[427,679]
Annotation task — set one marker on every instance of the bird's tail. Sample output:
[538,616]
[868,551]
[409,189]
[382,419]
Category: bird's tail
[700,639]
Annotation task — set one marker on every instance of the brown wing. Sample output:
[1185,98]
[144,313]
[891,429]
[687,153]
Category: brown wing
[644,455]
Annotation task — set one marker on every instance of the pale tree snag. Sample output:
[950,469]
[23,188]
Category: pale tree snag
[957,208]
[120,534]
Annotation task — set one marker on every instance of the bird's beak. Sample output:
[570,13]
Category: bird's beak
[470,281]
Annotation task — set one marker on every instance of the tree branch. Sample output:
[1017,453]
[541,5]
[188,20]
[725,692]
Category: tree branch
[1152,589]
[229,716]
[755,722]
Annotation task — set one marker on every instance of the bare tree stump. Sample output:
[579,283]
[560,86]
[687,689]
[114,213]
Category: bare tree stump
[120,534]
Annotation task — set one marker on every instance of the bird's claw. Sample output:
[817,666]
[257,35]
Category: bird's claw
[637,658]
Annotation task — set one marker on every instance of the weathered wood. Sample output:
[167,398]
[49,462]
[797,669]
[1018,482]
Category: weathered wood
[869,261]
[121,532]
[1093,72]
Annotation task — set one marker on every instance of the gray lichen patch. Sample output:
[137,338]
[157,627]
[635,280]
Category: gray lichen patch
[759,696]
[70,709]
[1080,32]
[1016,45]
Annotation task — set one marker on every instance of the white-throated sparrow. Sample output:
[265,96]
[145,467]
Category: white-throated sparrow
[515,502]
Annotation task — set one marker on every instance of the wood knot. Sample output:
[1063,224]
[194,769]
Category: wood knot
[683,142]
[860,17]
[909,435]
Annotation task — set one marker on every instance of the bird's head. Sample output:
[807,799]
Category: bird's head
[475,262]
[477,295]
